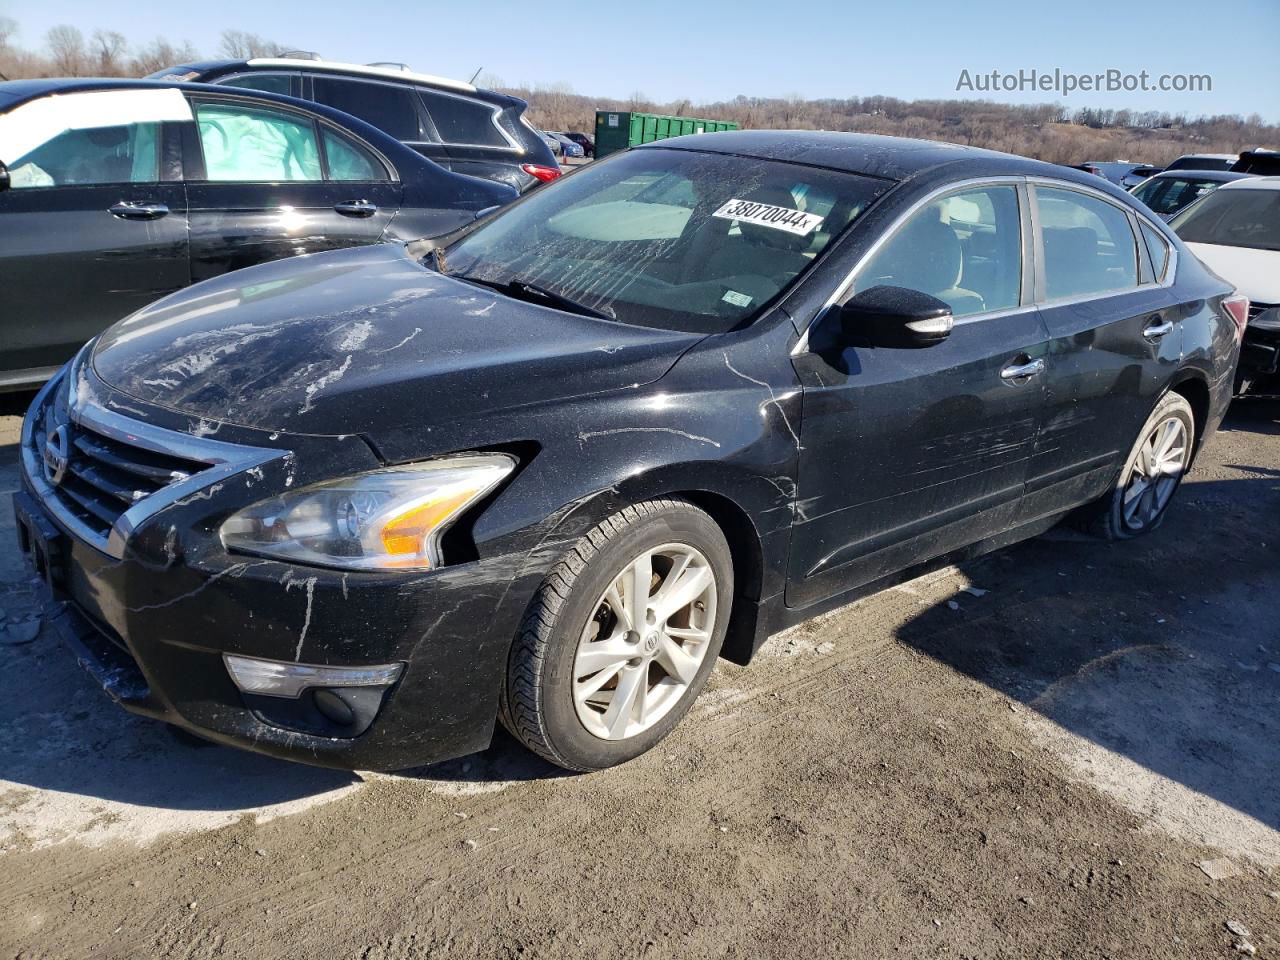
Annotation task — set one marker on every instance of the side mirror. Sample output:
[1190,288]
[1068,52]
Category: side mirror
[886,316]
[4,177]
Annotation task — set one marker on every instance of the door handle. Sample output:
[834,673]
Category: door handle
[134,210]
[356,208]
[1022,370]
[1156,329]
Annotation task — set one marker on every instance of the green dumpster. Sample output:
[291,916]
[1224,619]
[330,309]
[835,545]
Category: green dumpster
[617,130]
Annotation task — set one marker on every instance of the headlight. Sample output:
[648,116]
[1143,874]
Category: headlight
[388,519]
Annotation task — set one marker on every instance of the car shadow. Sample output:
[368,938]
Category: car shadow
[1148,661]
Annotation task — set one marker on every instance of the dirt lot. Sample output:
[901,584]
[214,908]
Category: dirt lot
[1037,770]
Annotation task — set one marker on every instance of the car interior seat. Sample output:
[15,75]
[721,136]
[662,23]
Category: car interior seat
[926,256]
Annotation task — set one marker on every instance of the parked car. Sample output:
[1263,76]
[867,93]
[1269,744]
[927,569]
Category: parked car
[1203,161]
[1092,168]
[553,143]
[1263,163]
[1168,192]
[350,509]
[122,191]
[584,140]
[463,128]
[1236,231]
[1115,171]
[1137,175]
[568,147]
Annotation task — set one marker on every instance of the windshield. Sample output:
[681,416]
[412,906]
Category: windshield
[676,239]
[1233,218]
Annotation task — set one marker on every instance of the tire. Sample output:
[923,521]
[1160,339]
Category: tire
[544,700]
[1115,516]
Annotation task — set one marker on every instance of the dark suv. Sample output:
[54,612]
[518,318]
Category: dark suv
[477,132]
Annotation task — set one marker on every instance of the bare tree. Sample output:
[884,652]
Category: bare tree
[66,48]
[8,30]
[108,53]
[160,53]
[241,45]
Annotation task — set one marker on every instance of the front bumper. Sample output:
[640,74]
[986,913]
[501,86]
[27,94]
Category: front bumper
[152,617]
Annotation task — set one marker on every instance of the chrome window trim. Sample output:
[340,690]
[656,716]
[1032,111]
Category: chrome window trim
[1029,181]
[225,460]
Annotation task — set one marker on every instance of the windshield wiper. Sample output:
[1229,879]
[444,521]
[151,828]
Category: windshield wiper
[531,292]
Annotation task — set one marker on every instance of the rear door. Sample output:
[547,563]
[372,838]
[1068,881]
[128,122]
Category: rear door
[265,182]
[94,224]
[907,454]
[1116,338]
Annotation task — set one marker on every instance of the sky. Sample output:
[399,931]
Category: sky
[707,50]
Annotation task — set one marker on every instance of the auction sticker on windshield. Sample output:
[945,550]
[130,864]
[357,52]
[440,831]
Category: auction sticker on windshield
[766,215]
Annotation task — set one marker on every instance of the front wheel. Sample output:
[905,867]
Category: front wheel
[621,637]
[1159,460]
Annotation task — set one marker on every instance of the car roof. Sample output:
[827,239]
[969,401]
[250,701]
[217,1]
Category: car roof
[1183,173]
[336,66]
[1253,183]
[872,155]
[1207,156]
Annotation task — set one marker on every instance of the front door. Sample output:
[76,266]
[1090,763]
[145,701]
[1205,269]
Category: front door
[90,229]
[266,183]
[909,453]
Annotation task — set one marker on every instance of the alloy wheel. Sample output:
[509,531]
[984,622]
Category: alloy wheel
[644,645]
[1160,463]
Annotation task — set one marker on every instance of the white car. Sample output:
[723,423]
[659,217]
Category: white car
[1235,231]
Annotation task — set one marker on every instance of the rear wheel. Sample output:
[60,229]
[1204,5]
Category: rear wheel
[1151,475]
[621,636]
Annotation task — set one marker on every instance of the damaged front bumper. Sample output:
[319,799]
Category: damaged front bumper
[377,671]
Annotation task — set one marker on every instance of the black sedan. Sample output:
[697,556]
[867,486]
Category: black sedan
[115,192]
[352,509]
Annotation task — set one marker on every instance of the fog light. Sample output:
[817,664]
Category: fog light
[280,678]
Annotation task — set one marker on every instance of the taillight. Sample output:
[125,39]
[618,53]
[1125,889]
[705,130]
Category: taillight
[1238,306]
[543,173]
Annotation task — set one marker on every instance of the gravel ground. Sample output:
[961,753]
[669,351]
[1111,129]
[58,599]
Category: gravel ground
[1067,749]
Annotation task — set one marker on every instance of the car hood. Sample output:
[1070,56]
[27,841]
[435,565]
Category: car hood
[1255,273]
[358,340]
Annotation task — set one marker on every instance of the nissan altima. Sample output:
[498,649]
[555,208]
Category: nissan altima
[354,508]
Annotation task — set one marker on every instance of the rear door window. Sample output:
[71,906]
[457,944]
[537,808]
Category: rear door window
[461,120]
[1089,246]
[256,145]
[389,107]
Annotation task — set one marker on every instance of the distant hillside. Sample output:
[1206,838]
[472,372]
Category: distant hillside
[1044,131]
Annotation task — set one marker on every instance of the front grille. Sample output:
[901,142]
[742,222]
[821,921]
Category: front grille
[1255,309]
[105,475]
